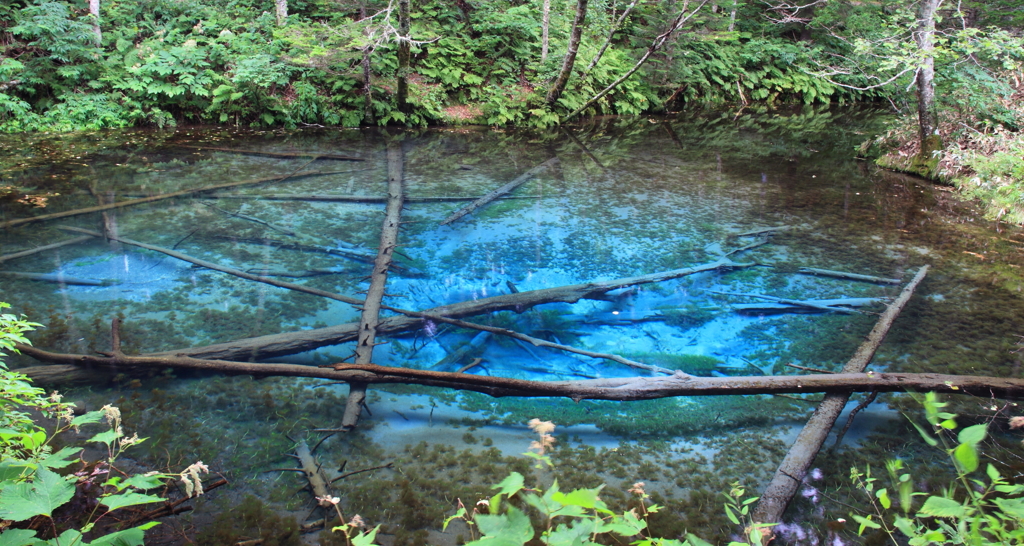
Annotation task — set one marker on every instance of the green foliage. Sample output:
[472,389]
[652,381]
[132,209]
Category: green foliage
[30,487]
[972,510]
[226,61]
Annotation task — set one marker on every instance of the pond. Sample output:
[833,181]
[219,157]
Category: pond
[774,191]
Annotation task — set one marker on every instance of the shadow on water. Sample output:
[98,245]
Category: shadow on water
[629,197]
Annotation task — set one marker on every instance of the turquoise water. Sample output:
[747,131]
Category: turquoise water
[630,197]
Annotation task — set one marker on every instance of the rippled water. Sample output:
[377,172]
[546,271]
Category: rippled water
[629,197]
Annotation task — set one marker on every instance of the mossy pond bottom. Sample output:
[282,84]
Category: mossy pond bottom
[628,197]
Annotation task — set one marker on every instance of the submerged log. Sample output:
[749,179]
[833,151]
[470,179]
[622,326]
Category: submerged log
[811,304]
[68,368]
[783,486]
[519,180]
[100,208]
[258,348]
[828,305]
[847,276]
[254,220]
[289,155]
[352,198]
[38,249]
[58,278]
[349,254]
[223,269]
[370,317]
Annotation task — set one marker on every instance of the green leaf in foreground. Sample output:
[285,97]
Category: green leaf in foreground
[41,496]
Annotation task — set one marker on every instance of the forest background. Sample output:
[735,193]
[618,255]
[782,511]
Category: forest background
[90,64]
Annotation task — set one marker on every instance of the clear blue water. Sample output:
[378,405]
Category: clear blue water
[631,197]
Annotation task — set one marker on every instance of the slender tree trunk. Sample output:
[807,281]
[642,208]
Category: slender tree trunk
[370,318]
[928,118]
[282,11]
[94,10]
[545,23]
[732,15]
[404,54]
[611,34]
[367,76]
[570,55]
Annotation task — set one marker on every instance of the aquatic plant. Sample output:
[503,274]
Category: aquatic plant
[33,494]
[701,365]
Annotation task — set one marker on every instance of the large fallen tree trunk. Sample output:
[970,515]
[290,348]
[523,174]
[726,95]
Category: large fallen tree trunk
[100,208]
[370,317]
[76,367]
[258,348]
[791,472]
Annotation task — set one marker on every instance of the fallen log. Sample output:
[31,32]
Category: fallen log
[131,202]
[253,219]
[370,317]
[812,304]
[289,155]
[71,367]
[352,198]
[519,180]
[847,276]
[38,249]
[221,268]
[759,231]
[783,486]
[258,348]
[770,308]
[293,274]
[351,255]
[58,278]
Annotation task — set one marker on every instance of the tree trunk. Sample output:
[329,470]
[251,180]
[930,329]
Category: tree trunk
[367,74]
[545,24]
[370,318]
[94,10]
[787,479]
[928,119]
[570,56]
[611,34]
[404,55]
[282,11]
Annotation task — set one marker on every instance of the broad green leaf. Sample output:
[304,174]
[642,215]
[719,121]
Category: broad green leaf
[47,491]
[972,434]
[71,536]
[1011,507]
[695,540]
[366,538]
[60,459]
[113,502]
[575,534]
[511,528]
[967,455]
[143,482]
[129,537]
[12,471]
[510,485]
[105,437]
[628,525]
[993,474]
[586,498]
[17,537]
[942,507]
[85,419]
